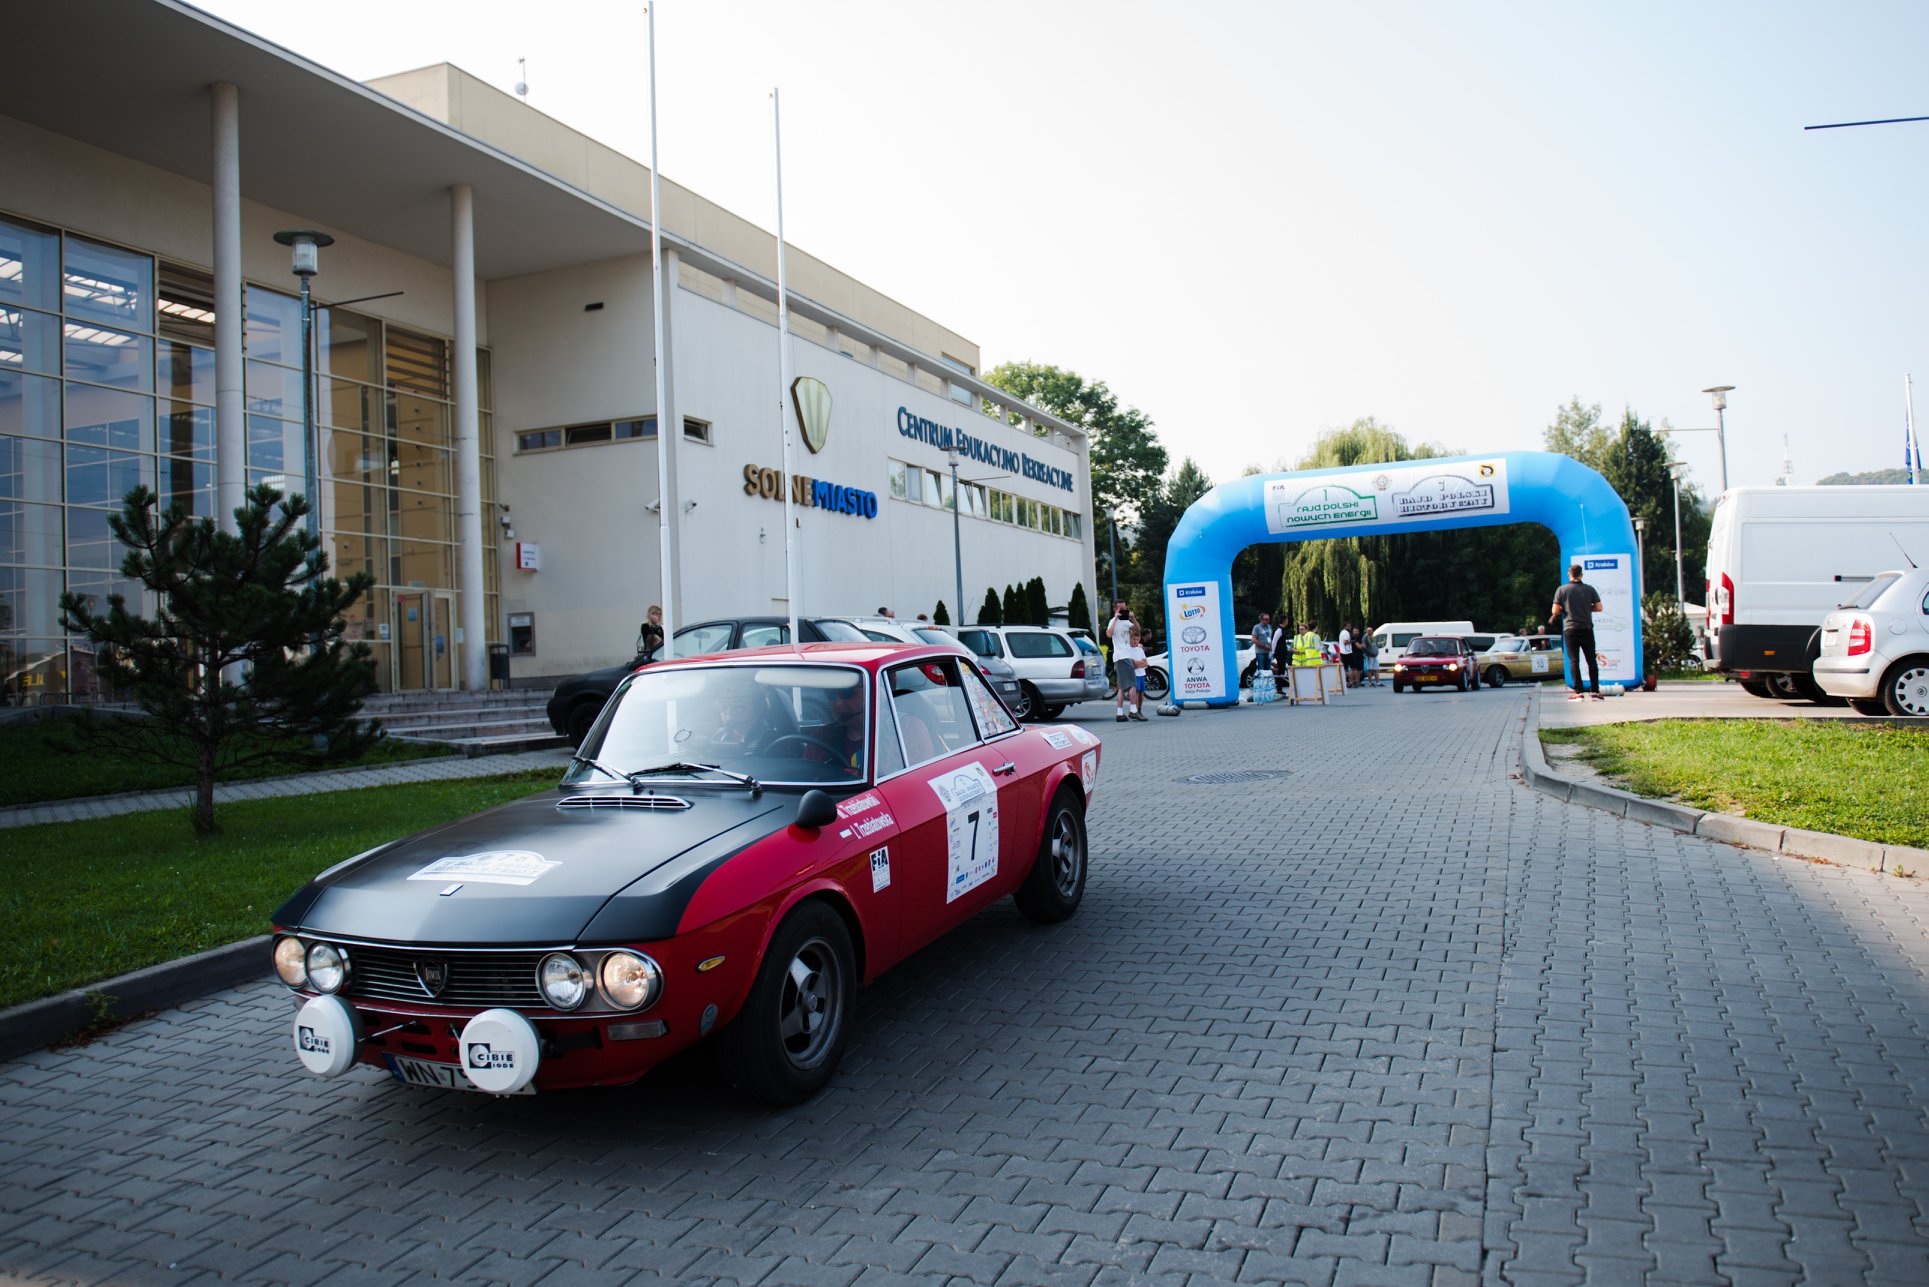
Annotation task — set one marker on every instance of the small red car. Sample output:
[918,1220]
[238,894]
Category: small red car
[1436,661]
[741,840]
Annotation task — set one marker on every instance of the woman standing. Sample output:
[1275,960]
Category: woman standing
[650,637]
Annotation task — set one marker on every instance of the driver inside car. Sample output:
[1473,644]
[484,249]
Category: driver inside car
[742,723]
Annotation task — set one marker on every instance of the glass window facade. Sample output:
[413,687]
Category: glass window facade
[975,500]
[107,381]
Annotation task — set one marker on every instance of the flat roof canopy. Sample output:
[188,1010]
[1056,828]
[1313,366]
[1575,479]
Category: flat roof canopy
[131,77]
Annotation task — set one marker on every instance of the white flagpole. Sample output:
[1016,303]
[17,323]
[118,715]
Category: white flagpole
[783,369]
[1911,450]
[666,570]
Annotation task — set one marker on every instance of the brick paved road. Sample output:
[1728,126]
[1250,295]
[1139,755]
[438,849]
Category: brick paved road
[1302,1031]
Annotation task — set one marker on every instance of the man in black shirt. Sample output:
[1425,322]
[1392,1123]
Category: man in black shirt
[1574,607]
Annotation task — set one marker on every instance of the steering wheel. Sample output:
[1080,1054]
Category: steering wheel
[837,757]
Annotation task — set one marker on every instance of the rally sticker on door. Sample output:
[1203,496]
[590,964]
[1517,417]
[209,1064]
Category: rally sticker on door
[880,869]
[1088,771]
[970,800]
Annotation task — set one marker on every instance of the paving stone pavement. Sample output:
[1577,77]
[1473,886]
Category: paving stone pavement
[1391,1019]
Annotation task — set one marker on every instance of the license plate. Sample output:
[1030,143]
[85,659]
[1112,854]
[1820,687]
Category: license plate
[422,1072]
[1427,677]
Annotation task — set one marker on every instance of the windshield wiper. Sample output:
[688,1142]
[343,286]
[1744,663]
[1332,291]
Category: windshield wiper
[600,768]
[692,766]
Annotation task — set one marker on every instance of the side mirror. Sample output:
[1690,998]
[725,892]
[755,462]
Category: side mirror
[816,810]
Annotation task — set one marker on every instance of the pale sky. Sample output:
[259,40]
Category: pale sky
[1257,221]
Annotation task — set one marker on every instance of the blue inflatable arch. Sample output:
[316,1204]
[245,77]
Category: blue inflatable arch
[1587,516]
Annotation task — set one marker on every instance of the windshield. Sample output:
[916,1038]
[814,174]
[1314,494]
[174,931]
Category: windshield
[1432,648]
[780,724]
[841,632]
[1873,590]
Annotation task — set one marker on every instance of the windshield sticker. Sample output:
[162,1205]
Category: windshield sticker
[497,867]
[1088,771]
[880,869]
[970,799]
[1059,738]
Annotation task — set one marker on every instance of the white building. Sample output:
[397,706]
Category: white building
[149,333]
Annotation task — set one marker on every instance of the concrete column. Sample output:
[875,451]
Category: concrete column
[230,424]
[471,614]
[669,427]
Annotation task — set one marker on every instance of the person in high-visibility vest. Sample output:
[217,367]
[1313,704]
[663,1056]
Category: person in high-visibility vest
[1306,646]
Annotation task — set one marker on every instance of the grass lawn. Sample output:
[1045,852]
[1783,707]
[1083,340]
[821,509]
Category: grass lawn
[34,768]
[85,901]
[1869,781]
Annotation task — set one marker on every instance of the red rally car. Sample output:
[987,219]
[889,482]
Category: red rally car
[741,840]
[1436,661]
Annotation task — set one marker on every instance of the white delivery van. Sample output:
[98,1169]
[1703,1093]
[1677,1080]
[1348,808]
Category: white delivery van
[1781,558]
[1394,636]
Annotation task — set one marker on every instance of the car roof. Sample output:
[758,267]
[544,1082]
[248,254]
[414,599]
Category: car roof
[868,654]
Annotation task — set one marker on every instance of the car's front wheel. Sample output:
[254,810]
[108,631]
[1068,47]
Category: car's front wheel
[1056,884]
[1398,686]
[1461,683]
[1496,676]
[1905,689]
[784,1045]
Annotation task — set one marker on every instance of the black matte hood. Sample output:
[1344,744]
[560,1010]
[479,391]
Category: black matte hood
[534,871]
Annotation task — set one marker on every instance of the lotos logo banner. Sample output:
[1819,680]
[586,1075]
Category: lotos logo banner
[1192,611]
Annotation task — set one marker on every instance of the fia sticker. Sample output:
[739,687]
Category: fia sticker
[1059,739]
[970,799]
[497,867]
[880,869]
[1083,736]
[1088,771]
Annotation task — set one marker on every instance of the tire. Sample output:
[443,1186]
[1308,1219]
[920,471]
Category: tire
[1781,686]
[784,1045]
[1399,687]
[1905,688]
[1755,687]
[1055,886]
[1461,683]
[1246,675]
[1497,676]
[1812,691]
[581,717]
[1868,705]
[1052,712]
[1157,684]
[1027,698]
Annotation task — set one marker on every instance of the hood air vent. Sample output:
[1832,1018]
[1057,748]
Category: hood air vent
[639,803]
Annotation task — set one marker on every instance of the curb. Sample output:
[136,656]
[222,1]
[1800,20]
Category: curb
[39,1024]
[1726,827]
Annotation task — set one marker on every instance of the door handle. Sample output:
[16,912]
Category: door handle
[1006,768]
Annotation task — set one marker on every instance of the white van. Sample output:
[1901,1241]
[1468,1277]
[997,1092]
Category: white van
[1781,558]
[1394,636]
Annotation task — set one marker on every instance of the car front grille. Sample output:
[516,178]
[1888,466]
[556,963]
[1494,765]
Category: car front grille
[474,978]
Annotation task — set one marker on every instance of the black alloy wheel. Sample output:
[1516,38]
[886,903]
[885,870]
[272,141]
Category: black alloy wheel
[1055,885]
[785,1044]
[1157,684]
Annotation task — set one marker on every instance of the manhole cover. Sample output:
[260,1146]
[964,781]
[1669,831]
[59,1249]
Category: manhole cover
[1233,777]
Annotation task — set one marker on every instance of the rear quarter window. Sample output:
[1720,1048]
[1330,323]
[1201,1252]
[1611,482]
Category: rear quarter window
[1039,644]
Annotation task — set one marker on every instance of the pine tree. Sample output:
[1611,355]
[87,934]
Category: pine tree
[1078,613]
[1014,607]
[991,612]
[257,599]
[1037,611]
[939,617]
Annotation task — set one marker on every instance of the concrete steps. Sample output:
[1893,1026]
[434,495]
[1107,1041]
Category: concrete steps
[475,724]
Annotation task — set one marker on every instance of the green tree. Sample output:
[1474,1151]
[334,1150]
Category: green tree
[258,599]
[1127,458]
[991,612]
[1186,485]
[1014,606]
[1038,610]
[1667,639]
[939,617]
[1078,612]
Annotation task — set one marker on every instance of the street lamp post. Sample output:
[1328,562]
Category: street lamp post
[1721,392]
[1640,558]
[1113,556]
[1680,585]
[957,545]
[306,244]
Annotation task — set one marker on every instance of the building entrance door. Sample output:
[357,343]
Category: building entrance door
[424,640]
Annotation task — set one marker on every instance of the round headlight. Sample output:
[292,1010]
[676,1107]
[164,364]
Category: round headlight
[631,982]
[327,967]
[289,966]
[562,980]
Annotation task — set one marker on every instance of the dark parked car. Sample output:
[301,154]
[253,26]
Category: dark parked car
[576,702]
[742,842]
[1437,661]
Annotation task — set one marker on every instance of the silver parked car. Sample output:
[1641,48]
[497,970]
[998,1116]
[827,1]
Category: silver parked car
[1004,680]
[1053,670]
[1875,648]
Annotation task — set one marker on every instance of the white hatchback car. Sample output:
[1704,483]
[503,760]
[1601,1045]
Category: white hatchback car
[1054,670]
[1875,648]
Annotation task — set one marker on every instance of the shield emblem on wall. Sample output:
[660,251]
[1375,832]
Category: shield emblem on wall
[813,401]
